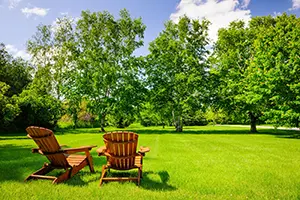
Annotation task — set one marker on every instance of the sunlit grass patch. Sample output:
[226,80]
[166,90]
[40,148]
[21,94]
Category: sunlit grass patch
[211,162]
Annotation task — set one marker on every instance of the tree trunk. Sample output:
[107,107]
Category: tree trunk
[173,118]
[297,123]
[75,120]
[102,123]
[253,120]
[178,125]
[179,128]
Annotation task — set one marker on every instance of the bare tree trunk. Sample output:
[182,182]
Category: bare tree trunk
[102,122]
[178,125]
[297,122]
[75,120]
[173,118]
[253,120]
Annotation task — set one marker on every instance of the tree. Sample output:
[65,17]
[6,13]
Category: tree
[130,95]
[177,68]
[256,68]
[14,78]
[107,70]
[230,60]
[274,73]
[38,109]
[53,51]
[8,107]
[15,72]
[53,54]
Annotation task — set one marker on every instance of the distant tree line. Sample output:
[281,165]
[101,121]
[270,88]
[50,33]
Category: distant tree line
[85,72]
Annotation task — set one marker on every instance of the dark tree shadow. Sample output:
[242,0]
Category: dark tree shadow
[288,134]
[227,131]
[14,138]
[18,162]
[13,135]
[78,131]
[15,162]
[292,134]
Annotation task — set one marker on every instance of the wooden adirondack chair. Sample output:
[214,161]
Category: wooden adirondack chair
[59,158]
[120,152]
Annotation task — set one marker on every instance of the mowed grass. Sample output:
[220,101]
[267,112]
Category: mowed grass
[211,162]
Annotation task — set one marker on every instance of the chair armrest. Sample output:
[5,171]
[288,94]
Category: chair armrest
[79,149]
[101,151]
[143,150]
[36,150]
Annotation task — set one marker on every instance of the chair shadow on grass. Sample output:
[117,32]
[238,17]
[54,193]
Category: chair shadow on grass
[77,180]
[159,184]
[162,185]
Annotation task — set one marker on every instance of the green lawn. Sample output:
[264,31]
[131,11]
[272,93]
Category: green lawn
[212,162]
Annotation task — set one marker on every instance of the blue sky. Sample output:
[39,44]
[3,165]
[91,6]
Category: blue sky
[19,18]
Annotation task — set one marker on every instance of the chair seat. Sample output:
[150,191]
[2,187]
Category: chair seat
[75,159]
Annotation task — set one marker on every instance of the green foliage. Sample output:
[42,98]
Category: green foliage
[176,68]
[8,107]
[14,72]
[80,118]
[38,109]
[233,53]
[91,59]
[14,77]
[107,71]
[274,72]
[256,69]
[251,76]
[215,116]
[149,116]
[53,53]
[24,102]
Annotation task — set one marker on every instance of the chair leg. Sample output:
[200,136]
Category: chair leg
[70,172]
[90,161]
[104,169]
[139,176]
[44,170]
[63,177]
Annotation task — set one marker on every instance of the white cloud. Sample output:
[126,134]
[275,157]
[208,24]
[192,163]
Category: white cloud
[245,3]
[35,11]
[13,3]
[64,13]
[219,12]
[296,5]
[276,14]
[16,52]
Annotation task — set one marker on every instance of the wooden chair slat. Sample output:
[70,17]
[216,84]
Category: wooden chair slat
[75,159]
[43,177]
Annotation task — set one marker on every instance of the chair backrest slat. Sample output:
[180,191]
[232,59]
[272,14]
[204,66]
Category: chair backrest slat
[122,146]
[48,144]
